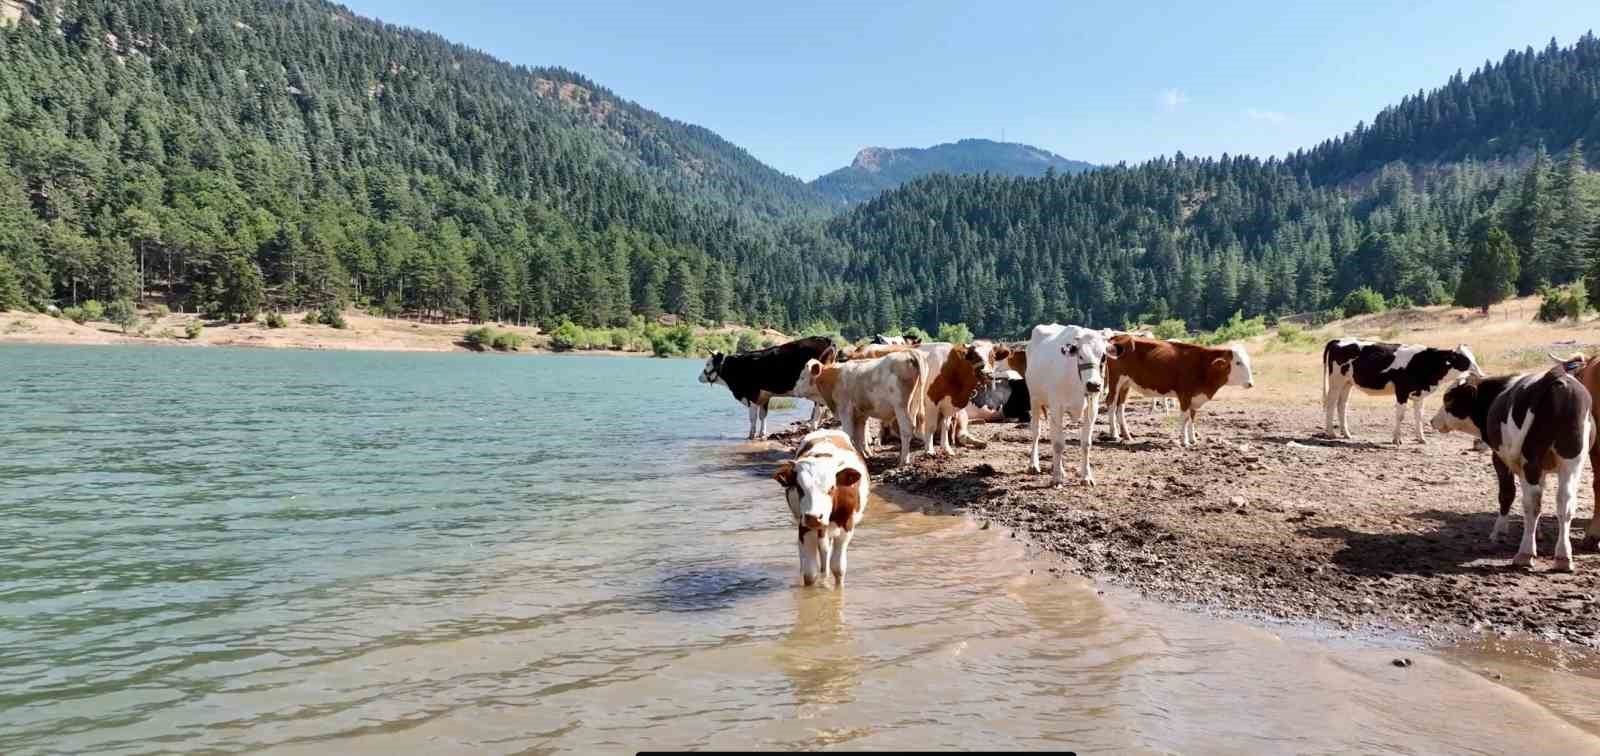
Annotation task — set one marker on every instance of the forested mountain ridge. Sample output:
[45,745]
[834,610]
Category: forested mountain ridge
[876,169]
[233,153]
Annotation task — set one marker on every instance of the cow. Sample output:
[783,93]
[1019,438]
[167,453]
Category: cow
[1191,373]
[1588,373]
[755,377]
[1535,424]
[826,486]
[956,374]
[1065,376]
[1408,372]
[881,339]
[874,351]
[889,389]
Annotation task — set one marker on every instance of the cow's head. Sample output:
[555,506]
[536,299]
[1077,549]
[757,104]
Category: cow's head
[1462,362]
[712,372]
[994,394]
[1239,367]
[806,386]
[1457,411]
[1086,351]
[809,485]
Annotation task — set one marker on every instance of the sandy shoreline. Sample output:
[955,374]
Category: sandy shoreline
[365,334]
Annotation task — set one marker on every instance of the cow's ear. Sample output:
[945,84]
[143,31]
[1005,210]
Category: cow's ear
[848,477]
[816,369]
[785,474]
[1001,354]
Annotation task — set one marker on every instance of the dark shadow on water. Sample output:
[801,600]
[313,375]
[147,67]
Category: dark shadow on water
[708,589]
[1450,548]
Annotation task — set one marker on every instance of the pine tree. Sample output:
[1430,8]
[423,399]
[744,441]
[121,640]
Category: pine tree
[1491,273]
[1570,219]
[1530,225]
[683,293]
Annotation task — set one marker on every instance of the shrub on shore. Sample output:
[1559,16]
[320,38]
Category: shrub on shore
[158,312]
[274,320]
[193,329]
[122,313]
[75,314]
[507,341]
[479,338]
[332,315]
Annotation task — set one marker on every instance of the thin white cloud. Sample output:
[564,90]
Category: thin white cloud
[1172,99]
[1270,116]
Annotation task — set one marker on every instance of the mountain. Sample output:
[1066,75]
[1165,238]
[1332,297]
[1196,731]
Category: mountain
[877,169]
[1398,207]
[233,154]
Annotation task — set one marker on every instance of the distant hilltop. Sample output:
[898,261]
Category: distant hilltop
[878,169]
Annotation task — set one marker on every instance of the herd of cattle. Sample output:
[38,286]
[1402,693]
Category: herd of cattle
[1534,423]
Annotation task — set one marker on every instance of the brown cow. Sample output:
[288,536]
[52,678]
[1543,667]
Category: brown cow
[1589,376]
[1190,372]
[957,373]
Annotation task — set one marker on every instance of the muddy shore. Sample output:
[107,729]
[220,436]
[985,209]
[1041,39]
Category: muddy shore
[1267,520]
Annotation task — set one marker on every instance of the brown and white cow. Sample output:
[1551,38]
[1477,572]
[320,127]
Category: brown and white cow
[1588,373]
[826,486]
[958,372]
[1191,373]
[888,389]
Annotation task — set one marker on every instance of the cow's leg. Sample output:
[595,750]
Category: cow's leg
[1399,419]
[1086,439]
[947,427]
[1344,409]
[1058,445]
[1531,493]
[1035,423]
[1591,536]
[903,418]
[755,412]
[816,416]
[1330,409]
[1416,414]
[841,542]
[809,566]
[762,431]
[1508,493]
[823,552]
[857,431]
[1568,473]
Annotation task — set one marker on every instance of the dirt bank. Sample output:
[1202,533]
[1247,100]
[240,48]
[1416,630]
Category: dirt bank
[1267,519]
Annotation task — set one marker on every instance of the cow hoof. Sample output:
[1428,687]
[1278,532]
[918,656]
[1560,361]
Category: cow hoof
[1561,565]
[1522,559]
[809,580]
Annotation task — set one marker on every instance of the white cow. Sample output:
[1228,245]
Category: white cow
[826,487]
[1066,375]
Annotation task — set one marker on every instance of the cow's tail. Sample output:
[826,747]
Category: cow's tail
[919,393]
[1327,365]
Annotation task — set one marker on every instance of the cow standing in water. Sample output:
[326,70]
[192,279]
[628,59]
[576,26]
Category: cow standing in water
[826,485]
[1408,372]
[755,377]
[1535,424]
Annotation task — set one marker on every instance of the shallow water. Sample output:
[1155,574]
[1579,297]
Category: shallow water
[207,549]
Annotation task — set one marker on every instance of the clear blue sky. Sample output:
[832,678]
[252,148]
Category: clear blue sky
[805,85]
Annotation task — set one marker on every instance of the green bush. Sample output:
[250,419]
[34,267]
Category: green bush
[1563,302]
[1363,301]
[918,334]
[331,314]
[122,313]
[311,318]
[274,319]
[1236,329]
[1171,328]
[479,338]
[167,333]
[674,342]
[158,312]
[566,337]
[619,339]
[193,329]
[75,314]
[954,333]
[1401,302]
[1295,335]
[749,341]
[507,341]
[93,311]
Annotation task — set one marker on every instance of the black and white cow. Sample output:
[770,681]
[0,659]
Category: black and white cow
[1004,398]
[1536,424]
[1408,372]
[755,377]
